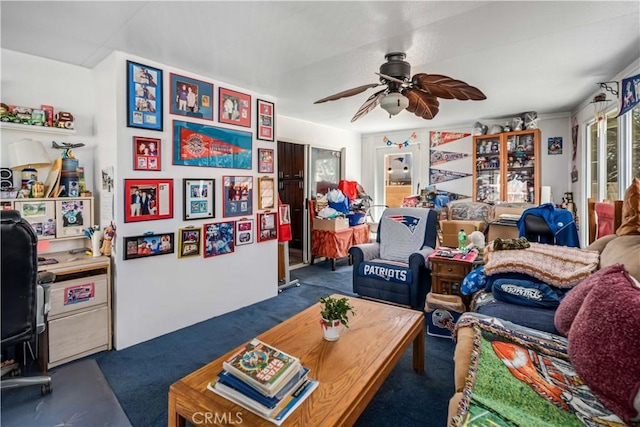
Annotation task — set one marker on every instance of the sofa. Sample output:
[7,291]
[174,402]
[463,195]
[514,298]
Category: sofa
[588,373]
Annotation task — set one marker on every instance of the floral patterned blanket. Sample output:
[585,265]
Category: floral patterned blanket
[523,377]
[559,266]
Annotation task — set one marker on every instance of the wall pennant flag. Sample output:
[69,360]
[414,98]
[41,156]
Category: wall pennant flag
[452,196]
[439,138]
[630,92]
[438,175]
[438,157]
[406,143]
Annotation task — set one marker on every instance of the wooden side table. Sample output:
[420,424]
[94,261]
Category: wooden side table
[447,276]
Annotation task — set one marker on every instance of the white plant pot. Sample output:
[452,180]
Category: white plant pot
[331,329]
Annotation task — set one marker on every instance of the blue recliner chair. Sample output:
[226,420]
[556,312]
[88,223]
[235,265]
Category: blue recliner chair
[394,268]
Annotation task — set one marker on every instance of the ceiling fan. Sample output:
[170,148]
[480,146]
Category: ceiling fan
[418,94]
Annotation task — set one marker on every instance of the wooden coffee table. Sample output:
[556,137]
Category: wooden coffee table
[350,370]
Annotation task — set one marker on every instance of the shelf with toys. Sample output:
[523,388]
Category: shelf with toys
[36,128]
[43,119]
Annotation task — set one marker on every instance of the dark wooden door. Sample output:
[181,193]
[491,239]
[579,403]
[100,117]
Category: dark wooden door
[291,187]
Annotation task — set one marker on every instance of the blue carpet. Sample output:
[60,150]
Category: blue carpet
[140,376]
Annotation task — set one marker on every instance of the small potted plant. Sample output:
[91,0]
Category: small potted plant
[335,312]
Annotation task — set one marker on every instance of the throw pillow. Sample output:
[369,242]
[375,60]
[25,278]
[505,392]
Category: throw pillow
[623,250]
[572,302]
[604,343]
[631,210]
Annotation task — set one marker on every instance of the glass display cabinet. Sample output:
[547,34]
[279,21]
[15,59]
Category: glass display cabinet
[507,167]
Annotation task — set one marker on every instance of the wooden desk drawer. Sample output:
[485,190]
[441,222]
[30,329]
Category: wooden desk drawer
[78,294]
[449,269]
[77,334]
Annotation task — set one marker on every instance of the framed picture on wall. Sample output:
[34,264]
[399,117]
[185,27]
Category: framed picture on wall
[199,198]
[268,228]
[266,193]
[144,96]
[234,108]
[189,242]
[73,216]
[148,245]
[148,199]
[238,195]
[191,97]
[265,118]
[146,154]
[219,238]
[244,231]
[265,160]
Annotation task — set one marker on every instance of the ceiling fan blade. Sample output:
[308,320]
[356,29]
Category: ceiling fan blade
[422,104]
[348,92]
[392,79]
[371,103]
[446,87]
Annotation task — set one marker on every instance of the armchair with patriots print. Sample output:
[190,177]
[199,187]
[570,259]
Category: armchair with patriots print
[394,267]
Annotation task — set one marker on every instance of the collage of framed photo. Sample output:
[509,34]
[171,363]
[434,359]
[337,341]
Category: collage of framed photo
[219,238]
[148,199]
[244,231]
[265,160]
[189,242]
[199,196]
[238,195]
[265,120]
[148,245]
[146,154]
[234,108]
[268,226]
[144,96]
[191,97]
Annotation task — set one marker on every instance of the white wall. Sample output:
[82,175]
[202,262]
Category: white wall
[32,81]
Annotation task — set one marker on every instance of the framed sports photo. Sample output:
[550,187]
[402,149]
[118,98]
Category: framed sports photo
[266,193]
[234,108]
[268,226]
[189,242]
[244,231]
[144,96]
[265,116]
[238,195]
[219,238]
[265,160]
[148,199]
[72,217]
[191,97]
[199,196]
[146,154]
[148,245]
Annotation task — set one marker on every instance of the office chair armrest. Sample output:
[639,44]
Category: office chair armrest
[45,279]
[365,252]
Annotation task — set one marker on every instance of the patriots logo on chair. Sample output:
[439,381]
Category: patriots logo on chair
[411,222]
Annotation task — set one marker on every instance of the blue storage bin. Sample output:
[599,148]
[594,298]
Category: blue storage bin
[356,218]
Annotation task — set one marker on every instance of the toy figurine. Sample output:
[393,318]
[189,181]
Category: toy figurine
[64,120]
[109,234]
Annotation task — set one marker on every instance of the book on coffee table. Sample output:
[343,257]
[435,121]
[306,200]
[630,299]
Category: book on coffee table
[276,415]
[262,366]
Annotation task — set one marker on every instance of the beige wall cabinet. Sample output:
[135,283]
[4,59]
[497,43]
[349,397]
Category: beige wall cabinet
[79,320]
[507,167]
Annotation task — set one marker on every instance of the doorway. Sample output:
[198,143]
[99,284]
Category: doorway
[396,174]
[291,166]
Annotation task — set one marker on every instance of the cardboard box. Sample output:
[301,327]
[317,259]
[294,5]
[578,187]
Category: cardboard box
[499,210]
[450,230]
[330,224]
[504,231]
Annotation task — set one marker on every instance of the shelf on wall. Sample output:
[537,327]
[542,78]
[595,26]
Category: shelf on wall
[39,129]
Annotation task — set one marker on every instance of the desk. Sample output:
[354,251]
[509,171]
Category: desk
[336,244]
[79,321]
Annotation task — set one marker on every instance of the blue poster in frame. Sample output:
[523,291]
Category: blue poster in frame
[144,96]
[208,146]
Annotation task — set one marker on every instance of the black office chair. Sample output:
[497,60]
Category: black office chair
[537,230]
[25,298]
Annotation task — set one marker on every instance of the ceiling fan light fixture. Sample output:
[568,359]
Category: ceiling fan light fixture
[393,103]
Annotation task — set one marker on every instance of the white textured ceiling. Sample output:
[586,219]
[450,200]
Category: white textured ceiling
[544,56]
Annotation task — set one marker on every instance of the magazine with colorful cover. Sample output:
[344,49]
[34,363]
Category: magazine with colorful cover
[278,415]
[262,366]
[270,402]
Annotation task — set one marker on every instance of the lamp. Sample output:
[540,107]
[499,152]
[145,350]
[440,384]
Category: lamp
[394,102]
[27,155]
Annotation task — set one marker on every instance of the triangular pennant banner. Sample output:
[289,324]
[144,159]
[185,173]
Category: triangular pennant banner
[406,143]
[452,196]
[439,138]
[439,175]
[439,157]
